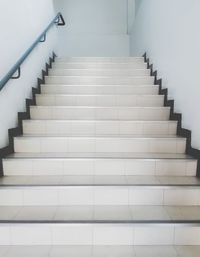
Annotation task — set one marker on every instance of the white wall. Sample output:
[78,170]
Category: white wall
[169,31]
[20,23]
[94,27]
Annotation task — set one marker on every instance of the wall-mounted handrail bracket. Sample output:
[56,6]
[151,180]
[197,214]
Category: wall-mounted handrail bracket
[59,21]
[18,74]
[43,39]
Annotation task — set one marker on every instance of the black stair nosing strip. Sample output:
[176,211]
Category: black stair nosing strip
[25,115]
[145,186]
[117,158]
[188,223]
[175,116]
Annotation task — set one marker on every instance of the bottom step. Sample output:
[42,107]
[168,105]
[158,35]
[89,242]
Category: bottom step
[99,234]
[100,251]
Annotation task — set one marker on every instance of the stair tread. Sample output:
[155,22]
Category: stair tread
[105,136]
[99,180]
[99,250]
[93,155]
[101,214]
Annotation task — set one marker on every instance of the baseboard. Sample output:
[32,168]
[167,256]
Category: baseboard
[175,116]
[13,132]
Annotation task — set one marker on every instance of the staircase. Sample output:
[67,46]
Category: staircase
[99,170]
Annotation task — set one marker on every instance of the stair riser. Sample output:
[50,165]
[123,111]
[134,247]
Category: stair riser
[122,90]
[99,195]
[98,234]
[98,145]
[99,80]
[103,72]
[101,59]
[84,113]
[146,167]
[100,66]
[98,128]
[74,100]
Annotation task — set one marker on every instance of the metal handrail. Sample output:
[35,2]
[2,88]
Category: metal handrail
[59,21]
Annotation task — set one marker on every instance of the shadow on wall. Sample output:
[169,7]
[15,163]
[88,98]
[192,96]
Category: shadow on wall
[137,5]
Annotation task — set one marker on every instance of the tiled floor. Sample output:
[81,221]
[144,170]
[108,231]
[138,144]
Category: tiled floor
[100,251]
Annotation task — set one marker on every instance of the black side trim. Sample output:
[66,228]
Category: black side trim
[24,115]
[175,116]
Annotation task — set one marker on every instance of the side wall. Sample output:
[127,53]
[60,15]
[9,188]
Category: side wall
[169,32]
[94,27]
[20,23]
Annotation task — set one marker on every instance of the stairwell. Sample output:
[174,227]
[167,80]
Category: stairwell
[99,170]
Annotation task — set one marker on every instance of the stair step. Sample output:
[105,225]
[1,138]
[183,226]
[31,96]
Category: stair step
[99,234]
[100,100]
[71,80]
[99,72]
[100,214]
[33,164]
[99,89]
[98,180]
[99,65]
[84,127]
[97,250]
[151,144]
[99,113]
[101,59]
[100,195]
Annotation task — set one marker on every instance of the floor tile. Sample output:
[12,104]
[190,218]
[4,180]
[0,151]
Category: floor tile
[155,213]
[74,213]
[155,251]
[28,251]
[113,251]
[112,213]
[188,251]
[71,251]
[36,213]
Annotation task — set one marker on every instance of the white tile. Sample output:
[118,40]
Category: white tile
[68,250]
[34,127]
[187,236]
[81,144]
[53,145]
[11,197]
[76,196]
[5,235]
[17,167]
[171,167]
[47,167]
[139,167]
[31,251]
[72,234]
[191,168]
[109,167]
[40,196]
[115,251]
[78,167]
[3,250]
[113,235]
[145,196]
[183,196]
[154,235]
[155,251]
[36,213]
[188,251]
[74,213]
[27,144]
[30,234]
[111,196]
